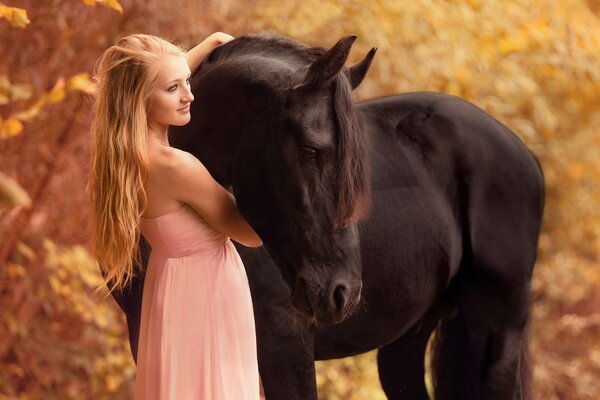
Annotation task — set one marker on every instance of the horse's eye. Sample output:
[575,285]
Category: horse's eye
[309,153]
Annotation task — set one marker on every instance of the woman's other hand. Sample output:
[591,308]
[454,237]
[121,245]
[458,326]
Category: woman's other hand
[220,38]
[197,54]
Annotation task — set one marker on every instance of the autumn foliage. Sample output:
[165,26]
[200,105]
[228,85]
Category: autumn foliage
[534,65]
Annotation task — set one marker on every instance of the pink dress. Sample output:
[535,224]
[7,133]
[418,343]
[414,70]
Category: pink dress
[197,338]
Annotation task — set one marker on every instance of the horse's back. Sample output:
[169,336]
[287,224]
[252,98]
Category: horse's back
[445,130]
[455,146]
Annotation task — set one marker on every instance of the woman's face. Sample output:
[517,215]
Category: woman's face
[170,100]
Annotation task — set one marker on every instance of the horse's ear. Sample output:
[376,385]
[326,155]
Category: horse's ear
[326,66]
[359,70]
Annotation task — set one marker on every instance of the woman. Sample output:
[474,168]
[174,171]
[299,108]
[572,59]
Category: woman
[197,337]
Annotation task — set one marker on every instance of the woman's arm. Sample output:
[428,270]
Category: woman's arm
[191,183]
[198,53]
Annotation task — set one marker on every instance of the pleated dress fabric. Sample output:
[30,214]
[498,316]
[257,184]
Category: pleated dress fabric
[197,335]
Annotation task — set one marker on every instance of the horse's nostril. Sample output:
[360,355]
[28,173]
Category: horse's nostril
[339,297]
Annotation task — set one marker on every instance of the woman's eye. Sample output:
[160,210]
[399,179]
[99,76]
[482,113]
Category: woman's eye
[188,81]
[172,88]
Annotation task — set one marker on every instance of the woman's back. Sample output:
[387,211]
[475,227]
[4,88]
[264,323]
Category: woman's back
[158,185]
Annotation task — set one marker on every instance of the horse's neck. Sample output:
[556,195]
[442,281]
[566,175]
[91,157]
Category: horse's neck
[214,141]
[214,148]
[218,159]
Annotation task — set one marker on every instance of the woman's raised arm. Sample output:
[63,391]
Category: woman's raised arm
[198,53]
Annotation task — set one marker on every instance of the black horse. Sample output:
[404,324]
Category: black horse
[382,222]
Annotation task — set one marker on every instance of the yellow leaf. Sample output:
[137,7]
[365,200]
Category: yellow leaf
[101,318]
[28,115]
[80,82]
[114,4]
[10,127]
[113,382]
[20,91]
[4,82]
[4,85]
[57,93]
[65,290]
[19,18]
[16,16]
[13,92]
[54,283]
[55,96]
[510,44]
[26,251]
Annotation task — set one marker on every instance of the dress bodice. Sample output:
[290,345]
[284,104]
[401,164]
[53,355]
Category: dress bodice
[180,233]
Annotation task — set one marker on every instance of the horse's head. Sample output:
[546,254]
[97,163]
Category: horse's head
[298,167]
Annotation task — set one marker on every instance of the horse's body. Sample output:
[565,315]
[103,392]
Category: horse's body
[449,243]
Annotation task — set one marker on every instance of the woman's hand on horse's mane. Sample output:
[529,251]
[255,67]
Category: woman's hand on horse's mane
[220,38]
[194,185]
[198,53]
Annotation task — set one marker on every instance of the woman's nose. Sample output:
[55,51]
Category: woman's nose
[189,96]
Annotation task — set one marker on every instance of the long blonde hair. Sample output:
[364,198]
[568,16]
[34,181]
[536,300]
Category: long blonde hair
[124,77]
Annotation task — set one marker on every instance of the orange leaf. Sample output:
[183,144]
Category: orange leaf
[10,127]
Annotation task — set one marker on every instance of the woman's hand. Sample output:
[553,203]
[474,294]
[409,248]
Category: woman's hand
[220,38]
[197,54]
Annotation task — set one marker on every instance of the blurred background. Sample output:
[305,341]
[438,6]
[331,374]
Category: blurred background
[532,64]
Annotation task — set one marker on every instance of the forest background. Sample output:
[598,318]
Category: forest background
[534,65]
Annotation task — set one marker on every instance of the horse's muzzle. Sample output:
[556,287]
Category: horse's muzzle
[328,302]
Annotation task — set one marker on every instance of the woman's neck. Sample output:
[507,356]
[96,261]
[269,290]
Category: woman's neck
[161,136]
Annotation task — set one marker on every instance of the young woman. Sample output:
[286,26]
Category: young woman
[197,336]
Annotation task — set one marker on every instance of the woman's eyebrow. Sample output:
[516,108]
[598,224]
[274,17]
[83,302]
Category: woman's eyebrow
[180,79]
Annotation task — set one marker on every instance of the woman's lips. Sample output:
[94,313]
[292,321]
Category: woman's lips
[184,110]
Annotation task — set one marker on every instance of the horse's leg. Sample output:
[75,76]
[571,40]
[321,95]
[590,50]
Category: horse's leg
[485,348]
[285,343]
[481,354]
[401,363]
[130,298]
[285,357]
[496,319]
[401,369]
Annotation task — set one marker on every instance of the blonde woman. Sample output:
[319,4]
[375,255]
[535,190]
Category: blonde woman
[197,336]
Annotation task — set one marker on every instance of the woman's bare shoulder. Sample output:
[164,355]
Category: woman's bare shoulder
[170,162]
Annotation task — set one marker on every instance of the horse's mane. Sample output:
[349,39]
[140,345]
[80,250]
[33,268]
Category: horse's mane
[352,181]
[265,44]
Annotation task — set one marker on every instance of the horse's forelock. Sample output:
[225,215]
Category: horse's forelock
[353,187]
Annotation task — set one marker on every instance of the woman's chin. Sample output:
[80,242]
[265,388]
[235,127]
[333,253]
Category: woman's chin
[182,121]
